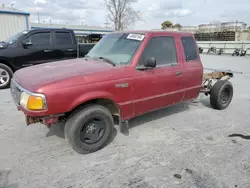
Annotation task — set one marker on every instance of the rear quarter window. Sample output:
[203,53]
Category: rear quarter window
[63,38]
[190,50]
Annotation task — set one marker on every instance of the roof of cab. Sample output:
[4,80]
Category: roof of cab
[49,29]
[180,33]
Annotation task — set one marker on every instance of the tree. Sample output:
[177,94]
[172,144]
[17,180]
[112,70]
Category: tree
[121,13]
[166,24]
[177,26]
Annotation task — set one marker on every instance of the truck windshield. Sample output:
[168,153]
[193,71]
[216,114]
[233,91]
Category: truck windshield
[117,47]
[15,37]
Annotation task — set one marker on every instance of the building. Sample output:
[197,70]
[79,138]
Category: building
[220,27]
[81,31]
[227,31]
[192,29]
[217,31]
[12,21]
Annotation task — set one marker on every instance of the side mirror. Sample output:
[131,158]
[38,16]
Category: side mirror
[26,43]
[150,62]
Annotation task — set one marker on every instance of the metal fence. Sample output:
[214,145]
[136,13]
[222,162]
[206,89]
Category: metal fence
[227,46]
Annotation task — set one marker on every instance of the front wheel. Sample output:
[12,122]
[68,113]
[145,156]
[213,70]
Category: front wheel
[221,94]
[5,76]
[89,129]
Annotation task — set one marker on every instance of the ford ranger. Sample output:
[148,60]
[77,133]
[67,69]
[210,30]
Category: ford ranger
[126,74]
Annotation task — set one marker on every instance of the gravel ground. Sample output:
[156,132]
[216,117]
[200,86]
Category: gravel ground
[188,145]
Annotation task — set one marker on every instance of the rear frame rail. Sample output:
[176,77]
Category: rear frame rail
[209,79]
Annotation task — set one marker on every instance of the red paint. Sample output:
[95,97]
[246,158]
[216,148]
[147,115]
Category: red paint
[70,83]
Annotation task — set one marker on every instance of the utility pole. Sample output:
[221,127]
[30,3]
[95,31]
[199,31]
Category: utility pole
[38,18]
[106,23]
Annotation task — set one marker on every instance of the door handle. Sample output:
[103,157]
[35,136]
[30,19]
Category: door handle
[70,50]
[47,50]
[178,73]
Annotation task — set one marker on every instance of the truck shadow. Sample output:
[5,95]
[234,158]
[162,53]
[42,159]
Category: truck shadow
[4,180]
[205,102]
[58,130]
[158,114]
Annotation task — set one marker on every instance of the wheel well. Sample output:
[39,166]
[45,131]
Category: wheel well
[8,64]
[107,103]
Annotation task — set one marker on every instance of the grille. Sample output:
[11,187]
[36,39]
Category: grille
[15,92]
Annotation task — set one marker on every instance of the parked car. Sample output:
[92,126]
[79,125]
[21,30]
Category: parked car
[32,47]
[126,74]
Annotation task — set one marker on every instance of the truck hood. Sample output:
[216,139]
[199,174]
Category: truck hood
[34,77]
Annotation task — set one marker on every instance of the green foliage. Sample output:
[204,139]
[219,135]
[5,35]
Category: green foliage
[177,25]
[166,24]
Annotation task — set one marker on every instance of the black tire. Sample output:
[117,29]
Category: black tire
[10,72]
[221,94]
[77,125]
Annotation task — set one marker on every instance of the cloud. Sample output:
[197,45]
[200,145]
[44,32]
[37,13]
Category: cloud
[93,12]
[40,2]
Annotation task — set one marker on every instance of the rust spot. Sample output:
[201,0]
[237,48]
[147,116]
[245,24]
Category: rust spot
[32,120]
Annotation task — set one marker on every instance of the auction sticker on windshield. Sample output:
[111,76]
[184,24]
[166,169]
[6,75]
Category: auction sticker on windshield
[139,37]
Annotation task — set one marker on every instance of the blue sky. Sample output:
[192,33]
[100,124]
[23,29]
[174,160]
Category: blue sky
[92,12]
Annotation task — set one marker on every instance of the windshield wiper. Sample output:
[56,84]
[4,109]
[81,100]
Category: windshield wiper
[107,60]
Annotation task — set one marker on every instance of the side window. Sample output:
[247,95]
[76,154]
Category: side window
[189,48]
[40,38]
[162,48]
[63,38]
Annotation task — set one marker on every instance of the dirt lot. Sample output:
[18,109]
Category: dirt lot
[188,145]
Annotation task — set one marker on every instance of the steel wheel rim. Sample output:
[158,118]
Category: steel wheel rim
[225,95]
[92,131]
[4,77]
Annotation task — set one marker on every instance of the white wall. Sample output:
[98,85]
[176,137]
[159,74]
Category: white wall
[11,24]
[227,46]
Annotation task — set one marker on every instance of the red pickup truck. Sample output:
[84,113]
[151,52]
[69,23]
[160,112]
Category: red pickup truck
[126,74]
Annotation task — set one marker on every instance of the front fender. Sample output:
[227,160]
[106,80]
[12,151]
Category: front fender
[91,96]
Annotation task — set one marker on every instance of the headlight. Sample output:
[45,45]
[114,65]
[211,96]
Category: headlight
[33,102]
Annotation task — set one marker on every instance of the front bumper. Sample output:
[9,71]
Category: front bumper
[31,117]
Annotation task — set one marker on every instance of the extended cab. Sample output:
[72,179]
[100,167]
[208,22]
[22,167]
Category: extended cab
[126,74]
[36,46]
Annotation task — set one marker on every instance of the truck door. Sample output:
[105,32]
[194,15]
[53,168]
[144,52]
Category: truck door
[38,51]
[163,85]
[193,69]
[65,46]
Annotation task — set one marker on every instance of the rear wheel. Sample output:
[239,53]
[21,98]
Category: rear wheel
[5,76]
[89,129]
[221,94]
